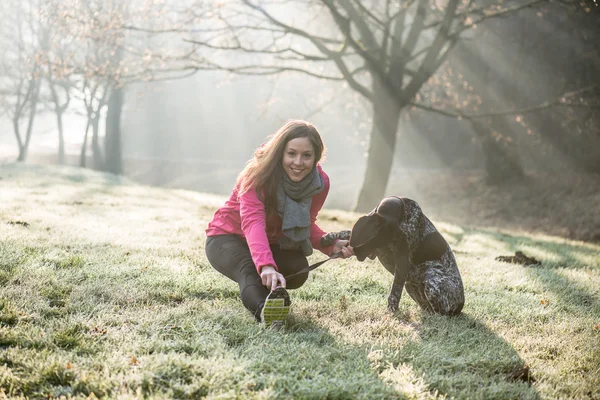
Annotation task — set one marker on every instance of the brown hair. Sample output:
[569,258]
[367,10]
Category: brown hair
[263,172]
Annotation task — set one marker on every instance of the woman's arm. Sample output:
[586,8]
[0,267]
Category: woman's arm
[254,226]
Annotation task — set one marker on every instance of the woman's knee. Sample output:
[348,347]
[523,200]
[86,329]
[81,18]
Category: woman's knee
[296,281]
[289,261]
[229,255]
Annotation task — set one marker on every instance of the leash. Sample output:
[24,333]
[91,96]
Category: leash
[314,266]
[338,254]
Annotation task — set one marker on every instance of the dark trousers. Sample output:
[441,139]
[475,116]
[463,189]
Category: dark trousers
[230,255]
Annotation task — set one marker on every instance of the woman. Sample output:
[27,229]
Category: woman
[267,228]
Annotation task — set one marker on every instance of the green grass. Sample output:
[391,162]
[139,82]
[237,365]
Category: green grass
[107,291]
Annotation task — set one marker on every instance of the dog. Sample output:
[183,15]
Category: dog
[410,247]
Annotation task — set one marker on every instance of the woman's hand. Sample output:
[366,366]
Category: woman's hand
[343,247]
[271,278]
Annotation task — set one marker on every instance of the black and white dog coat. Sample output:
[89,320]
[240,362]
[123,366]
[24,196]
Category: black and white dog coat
[410,247]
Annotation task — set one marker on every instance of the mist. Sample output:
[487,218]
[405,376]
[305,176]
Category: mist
[515,97]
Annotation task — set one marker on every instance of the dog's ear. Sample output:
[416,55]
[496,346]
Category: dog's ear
[364,236]
[365,229]
[432,247]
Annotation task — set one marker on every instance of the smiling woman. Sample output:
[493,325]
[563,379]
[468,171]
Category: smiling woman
[267,228]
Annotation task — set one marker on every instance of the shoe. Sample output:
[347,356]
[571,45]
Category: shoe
[276,308]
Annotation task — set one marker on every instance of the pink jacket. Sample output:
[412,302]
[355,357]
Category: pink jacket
[245,216]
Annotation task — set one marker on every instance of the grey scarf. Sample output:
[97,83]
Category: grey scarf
[293,206]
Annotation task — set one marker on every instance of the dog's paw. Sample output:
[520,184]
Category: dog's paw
[330,238]
[393,303]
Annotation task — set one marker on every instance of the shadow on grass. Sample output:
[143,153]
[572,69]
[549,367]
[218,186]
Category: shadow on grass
[461,358]
[305,361]
[455,357]
[562,256]
[301,361]
[558,255]
[454,238]
[571,296]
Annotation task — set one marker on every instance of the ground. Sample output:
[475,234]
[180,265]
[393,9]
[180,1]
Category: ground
[565,205]
[105,292]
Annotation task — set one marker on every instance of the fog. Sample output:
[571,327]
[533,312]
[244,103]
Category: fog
[197,132]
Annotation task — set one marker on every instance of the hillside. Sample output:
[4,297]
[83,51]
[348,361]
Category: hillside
[105,290]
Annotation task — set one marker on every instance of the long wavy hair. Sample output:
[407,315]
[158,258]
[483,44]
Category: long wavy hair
[263,172]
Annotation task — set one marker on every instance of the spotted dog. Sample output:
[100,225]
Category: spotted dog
[410,247]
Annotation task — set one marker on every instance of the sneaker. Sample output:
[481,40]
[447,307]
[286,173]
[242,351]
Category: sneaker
[276,308]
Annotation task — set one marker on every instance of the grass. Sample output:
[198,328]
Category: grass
[105,292]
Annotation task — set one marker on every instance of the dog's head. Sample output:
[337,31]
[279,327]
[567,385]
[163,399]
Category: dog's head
[374,231]
[382,226]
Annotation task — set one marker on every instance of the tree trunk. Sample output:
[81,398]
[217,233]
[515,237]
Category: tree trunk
[97,156]
[22,154]
[83,155]
[61,138]
[501,159]
[112,139]
[59,111]
[16,129]
[34,100]
[386,114]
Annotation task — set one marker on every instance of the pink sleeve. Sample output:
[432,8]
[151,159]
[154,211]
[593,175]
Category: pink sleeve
[317,233]
[254,226]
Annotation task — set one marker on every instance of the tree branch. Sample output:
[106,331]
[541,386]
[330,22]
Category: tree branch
[426,69]
[344,24]
[239,47]
[335,56]
[492,15]
[481,11]
[547,104]
[369,13]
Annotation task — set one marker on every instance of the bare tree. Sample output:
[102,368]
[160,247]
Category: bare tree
[94,94]
[97,56]
[21,69]
[61,104]
[384,50]
[58,80]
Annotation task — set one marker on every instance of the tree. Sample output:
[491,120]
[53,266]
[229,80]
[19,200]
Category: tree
[384,50]
[506,71]
[93,56]
[55,50]
[21,69]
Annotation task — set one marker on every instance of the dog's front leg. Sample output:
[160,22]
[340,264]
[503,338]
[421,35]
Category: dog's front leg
[400,275]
